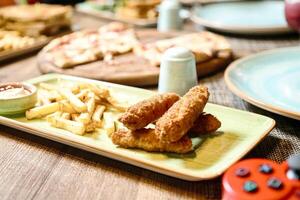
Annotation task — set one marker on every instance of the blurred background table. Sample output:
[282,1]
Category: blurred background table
[35,168]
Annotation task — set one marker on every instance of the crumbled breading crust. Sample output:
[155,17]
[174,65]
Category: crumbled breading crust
[206,123]
[179,119]
[145,112]
[146,139]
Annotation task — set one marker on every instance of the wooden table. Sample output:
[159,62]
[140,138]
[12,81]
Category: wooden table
[35,168]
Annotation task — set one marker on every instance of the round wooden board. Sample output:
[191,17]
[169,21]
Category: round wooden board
[129,69]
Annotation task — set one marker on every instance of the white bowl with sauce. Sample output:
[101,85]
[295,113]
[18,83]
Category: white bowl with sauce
[16,98]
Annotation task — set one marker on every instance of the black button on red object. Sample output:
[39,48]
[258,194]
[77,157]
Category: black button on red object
[265,169]
[250,186]
[242,172]
[275,183]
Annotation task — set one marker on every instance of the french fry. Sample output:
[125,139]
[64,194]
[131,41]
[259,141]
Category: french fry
[98,115]
[74,116]
[116,104]
[82,95]
[53,95]
[91,127]
[47,86]
[109,106]
[49,91]
[51,117]
[65,106]
[119,125]
[75,89]
[109,124]
[41,111]
[66,116]
[101,92]
[98,100]
[43,97]
[111,103]
[70,86]
[72,126]
[84,118]
[78,108]
[90,103]
[77,104]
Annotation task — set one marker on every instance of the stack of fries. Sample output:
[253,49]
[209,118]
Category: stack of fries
[78,108]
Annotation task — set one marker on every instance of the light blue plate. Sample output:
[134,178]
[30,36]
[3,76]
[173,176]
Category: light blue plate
[244,17]
[270,80]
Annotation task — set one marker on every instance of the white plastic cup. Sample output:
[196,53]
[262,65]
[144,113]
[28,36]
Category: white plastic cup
[177,71]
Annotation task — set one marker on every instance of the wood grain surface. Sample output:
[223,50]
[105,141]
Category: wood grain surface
[35,168]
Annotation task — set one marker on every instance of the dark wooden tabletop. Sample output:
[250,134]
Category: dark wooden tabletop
[36,168]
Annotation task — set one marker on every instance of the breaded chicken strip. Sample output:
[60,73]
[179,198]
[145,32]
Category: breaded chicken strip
[147,140]
[143,113]
[206,123]
[179,119]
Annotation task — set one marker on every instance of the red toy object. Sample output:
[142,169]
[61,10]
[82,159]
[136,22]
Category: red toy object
[262,179]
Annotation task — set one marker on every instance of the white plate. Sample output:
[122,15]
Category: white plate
[243,17]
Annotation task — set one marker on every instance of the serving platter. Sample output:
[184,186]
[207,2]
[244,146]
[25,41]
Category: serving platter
[9,54]
[243,17]
[269,80]
[129,69]
[87,8]
[239,133]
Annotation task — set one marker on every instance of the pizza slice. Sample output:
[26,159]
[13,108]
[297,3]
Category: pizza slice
[91,45]
[204,45]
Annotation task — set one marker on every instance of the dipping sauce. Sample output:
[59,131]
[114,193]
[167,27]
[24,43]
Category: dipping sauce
[13,91]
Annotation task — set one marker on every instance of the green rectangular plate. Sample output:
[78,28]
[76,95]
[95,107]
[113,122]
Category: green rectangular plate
[239,133]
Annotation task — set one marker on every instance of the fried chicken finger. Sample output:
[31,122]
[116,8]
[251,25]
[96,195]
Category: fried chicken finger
[179,119]
[206,123]
[143,113]
[147,140]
